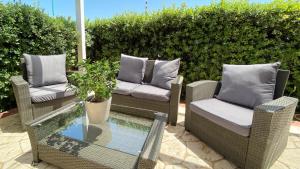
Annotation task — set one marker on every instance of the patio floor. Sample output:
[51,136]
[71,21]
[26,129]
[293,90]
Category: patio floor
[179,149]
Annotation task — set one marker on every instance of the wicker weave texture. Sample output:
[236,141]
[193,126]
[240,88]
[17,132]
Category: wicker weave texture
[151,149]
[229,144]
[171,107]
[28,110]
[88,158]
[146,113]
[198,91]
[46,107]
[23,99]
[129,101]
[268,135]
[84,155]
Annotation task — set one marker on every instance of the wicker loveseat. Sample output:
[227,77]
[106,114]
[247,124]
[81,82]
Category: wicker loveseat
[249,143]
[33,102]
[148,99]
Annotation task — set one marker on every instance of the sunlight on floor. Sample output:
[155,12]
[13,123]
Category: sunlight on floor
[179,149]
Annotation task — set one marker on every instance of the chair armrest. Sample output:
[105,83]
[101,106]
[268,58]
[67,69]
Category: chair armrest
[177,82]
[23,99]
[19,80]
[269,131]
[176,86]
[198,90]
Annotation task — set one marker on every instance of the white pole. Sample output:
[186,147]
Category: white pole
[81,30]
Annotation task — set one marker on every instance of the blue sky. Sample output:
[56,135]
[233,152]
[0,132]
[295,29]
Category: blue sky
[108,8]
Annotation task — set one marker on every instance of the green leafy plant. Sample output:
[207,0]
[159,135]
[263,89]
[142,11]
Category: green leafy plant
[97,77]
[203,37]
[207,37]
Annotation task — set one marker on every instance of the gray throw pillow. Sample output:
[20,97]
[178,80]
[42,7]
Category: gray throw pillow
[164,72]
[132,69]
[248,85]
[45,70]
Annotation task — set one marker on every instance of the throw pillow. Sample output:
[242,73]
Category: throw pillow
[45,70]
[164,72]
[248,85]
[132,69]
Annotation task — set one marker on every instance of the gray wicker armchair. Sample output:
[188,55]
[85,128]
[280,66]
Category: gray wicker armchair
[28,107]
[267,135]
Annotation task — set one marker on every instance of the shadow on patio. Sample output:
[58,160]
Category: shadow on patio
[179,148]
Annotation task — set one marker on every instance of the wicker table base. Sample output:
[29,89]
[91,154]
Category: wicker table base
[52,142]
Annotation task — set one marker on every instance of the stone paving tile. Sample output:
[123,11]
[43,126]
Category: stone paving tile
[187,136]
[290,144]
[194,162]
[295,130]
[202,151]
[294,138]
[9,151]
[297,144]
[224,164]
[160,164]
[179,150]
[25,145]
[279,165]
[291,158]
[24,161]
[176,156]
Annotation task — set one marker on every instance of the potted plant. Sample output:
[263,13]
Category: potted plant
[94,85]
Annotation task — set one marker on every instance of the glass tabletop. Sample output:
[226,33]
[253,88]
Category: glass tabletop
[120,132]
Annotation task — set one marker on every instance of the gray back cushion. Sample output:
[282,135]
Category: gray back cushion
[164,72]
[149,71]
[248,85]
[132,69]
[45,70]
[281,81]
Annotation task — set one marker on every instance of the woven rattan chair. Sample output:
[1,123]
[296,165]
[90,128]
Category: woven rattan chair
[268,133]
[28,109]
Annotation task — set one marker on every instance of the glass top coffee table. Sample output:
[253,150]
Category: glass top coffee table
[65,138]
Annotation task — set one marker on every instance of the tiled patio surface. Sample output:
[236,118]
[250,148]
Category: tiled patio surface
[179,149]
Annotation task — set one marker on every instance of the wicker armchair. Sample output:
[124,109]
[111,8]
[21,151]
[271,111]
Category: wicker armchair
[268,133]
[27,108]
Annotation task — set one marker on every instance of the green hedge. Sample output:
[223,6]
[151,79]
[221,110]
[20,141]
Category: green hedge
[203,37]
[207,37]
[24,29]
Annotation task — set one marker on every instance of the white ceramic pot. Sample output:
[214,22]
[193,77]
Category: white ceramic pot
[98,112]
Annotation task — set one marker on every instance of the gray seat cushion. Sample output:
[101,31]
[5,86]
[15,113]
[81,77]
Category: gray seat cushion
[151,92]
[125,88]
[48,93]
[45,70]
[232,117]
[248,85]
[164,72]
[132,69]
